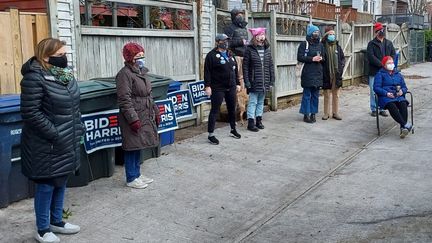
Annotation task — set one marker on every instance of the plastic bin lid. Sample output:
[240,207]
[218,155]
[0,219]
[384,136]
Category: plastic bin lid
[95,88]
[156,80]
[9,103]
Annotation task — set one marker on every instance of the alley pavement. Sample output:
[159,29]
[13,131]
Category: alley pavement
[332,181]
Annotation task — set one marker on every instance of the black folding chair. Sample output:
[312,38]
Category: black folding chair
[410,108]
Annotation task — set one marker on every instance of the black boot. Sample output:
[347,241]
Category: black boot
[259,122]
[307,119]
[251,125]
[313,118]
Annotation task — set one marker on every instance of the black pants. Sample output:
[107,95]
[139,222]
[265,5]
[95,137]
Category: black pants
[216,101]
[399,111]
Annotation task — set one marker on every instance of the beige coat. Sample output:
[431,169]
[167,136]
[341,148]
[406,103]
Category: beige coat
[134,96]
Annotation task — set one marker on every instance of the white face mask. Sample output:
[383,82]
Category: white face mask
[390,66]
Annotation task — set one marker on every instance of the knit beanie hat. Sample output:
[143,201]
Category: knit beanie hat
[311,28]
[385,59]
[257,31]
[130,50]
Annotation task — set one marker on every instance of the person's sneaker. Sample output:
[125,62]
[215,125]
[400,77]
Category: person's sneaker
[66,229]
[48,237]
[213,140]
[137,184]
[404,132]
[383,113]
[325,117]
[307,119]
[337,117]
[374,113]
[235,134]
[145,179]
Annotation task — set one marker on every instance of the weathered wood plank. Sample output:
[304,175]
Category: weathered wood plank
[7,75]
[16,46]
[116,31]
[159,3]
[42,28]
[26,32]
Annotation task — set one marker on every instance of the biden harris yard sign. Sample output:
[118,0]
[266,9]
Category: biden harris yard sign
[182,103]
[197,92]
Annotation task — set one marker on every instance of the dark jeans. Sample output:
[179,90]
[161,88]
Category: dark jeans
[309,103]
[399,111]
[132,164]
[216,101]
[48,204]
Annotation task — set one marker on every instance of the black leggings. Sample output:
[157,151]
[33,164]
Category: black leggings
[216,101]
[399,111]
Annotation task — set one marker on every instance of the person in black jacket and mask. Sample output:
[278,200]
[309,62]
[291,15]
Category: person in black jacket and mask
[50,140]
[220,79]
[311,54]
[238,40]
[378,48]
[258,75]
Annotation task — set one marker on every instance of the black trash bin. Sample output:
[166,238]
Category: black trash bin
[95,96]
[429,47]
[365,66]
[160,85]
[14,186]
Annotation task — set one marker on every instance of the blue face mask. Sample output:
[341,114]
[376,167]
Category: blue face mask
[331,38]
[140,62]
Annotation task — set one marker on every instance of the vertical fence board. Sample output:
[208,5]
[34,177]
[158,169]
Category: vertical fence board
[7,75]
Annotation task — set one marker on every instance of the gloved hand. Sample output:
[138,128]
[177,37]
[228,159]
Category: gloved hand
[135,126]
[158,120]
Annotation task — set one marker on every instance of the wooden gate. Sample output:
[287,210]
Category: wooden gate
[20,33]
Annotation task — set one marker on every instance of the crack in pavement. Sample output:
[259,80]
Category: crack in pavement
[420,215]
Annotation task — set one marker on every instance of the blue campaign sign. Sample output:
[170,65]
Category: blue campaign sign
[168,120]
[182,103]
[102,130]
[198,94]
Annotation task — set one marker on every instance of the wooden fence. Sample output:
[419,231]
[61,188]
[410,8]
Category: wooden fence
[20,33]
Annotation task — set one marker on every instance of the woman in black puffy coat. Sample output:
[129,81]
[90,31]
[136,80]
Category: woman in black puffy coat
[311,54]
[50,140]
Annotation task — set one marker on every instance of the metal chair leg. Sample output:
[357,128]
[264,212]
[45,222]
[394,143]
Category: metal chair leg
[411,105]
[377,115]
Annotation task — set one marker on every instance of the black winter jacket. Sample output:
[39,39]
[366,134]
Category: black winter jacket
[220,74]
[258,77]
[326,70]
[375,55]
[312,73]
[50,139]
[237,32]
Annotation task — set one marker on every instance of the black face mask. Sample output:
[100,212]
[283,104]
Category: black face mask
[60,62]
[223,46]
[381,33]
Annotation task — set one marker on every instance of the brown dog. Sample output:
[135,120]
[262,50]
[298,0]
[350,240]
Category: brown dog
[242,96]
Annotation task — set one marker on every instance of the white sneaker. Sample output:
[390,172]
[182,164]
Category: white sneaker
[49,237]
[146,180]
[67,229]
[137,183]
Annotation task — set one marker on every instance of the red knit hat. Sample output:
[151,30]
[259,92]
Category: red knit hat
[130,50]
[385,59]
[328,28]
[378,26]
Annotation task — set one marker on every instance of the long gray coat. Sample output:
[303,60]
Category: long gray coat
[134,96]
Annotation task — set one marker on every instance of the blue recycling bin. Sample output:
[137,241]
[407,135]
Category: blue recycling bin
[14,186]
[167,138]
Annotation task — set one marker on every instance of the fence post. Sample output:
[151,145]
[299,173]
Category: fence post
[352,51]
[273,28]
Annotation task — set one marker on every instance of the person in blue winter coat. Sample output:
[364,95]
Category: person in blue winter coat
[390,87]
[310,52]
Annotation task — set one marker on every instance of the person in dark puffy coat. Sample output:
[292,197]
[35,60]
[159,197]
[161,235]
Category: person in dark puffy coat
[332,73]
[259,76]
[139,115]
[51,133]
[237,33]
[311,54]
[391,89]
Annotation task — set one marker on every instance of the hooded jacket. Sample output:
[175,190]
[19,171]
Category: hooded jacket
[220,74]
[386,83]
[258,76]
[375,55]
[312,73]
[50,139]
[237,32]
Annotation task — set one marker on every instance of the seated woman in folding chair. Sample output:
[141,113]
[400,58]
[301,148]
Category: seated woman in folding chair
[390,88]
